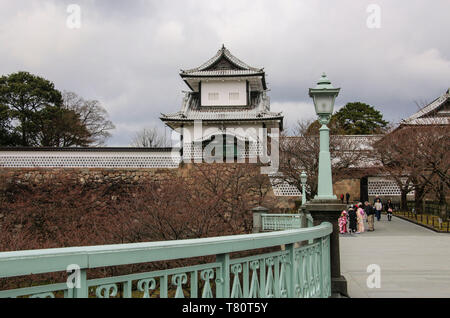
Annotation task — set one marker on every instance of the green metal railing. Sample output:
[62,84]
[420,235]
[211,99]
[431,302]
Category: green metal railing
[277,222]
[429,207]
[289,272]
[429,220]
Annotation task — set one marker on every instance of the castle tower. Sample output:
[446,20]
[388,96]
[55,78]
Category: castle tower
[228,99]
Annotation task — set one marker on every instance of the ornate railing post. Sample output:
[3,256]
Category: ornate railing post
[329,211]
[257,219]
[326,266]
[292,272]
[306,220]
[127,289]
[223,280]
[309,223]
[302,213]
[81,292]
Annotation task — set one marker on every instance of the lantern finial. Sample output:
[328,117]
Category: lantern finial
[324,82]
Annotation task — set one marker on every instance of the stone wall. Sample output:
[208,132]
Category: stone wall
[34,176]
[101,176]
[351,186]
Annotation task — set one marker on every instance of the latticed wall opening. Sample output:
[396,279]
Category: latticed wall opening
[383,187]
[57,160]
[221,148]
[282,188]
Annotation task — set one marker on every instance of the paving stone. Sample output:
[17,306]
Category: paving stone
[414,261]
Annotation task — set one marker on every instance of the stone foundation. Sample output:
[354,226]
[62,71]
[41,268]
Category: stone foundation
[101,176]
[351,186]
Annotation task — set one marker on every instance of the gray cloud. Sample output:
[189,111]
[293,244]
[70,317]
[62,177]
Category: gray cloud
[127,54]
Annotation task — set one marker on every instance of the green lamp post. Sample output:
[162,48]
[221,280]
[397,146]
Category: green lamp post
[325,207]
[303,179]
[323,96]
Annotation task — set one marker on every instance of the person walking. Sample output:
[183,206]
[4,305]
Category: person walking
[343,223]
[378,207]
[347,197]
[389,207]
[342,198]
[360,218]
[370,215]
[352,220]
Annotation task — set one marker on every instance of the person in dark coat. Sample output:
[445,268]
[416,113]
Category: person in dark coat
[389,207]
[352,220]
[347,197]
[370,215]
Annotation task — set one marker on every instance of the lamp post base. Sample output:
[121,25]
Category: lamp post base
[325,197]
[329,210]
[339,287]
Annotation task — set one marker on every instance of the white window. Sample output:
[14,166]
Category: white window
[234,96]
[224,93]
[213,96]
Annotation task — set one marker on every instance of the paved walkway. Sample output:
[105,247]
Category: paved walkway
[414,261]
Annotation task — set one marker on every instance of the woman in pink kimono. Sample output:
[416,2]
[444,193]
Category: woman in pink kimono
[360,217]
[343,222]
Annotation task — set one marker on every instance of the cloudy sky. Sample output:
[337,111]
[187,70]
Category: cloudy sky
[127,54]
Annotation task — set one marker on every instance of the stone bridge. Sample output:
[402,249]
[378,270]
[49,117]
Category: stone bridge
[413,260]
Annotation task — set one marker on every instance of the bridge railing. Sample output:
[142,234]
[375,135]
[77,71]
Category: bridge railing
[287,272]
[279,222]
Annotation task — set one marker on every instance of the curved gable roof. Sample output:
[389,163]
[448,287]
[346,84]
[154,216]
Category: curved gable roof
[429,109]
[223,61]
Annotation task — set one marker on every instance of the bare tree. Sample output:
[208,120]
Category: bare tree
[434,154]
[92,115]
[150,137]
[237,188]
[396,161]
[417,157]
[301,153]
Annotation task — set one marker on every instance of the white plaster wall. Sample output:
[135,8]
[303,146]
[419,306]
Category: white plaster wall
[224,88]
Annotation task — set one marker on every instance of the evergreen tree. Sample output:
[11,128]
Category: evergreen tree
[34,113]
[360,119]
[353,119]
[25,95]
